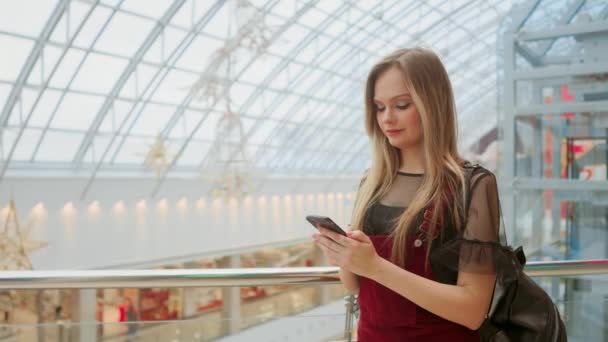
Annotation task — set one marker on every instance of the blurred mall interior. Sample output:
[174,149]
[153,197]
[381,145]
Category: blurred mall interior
[198,134]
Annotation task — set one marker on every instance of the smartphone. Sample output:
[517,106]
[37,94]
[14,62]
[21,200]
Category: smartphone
[326,222]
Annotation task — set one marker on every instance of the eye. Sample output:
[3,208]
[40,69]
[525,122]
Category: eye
[379,108]
[403,105]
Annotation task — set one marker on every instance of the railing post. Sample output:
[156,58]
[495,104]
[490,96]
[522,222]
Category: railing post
[348,324]
[85,310]
[231,297]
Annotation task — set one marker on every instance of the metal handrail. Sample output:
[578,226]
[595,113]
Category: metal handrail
[11,280]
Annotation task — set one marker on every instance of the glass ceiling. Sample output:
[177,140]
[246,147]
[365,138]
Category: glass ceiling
[89,85]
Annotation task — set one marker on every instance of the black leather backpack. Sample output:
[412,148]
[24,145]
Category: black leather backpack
[521,310]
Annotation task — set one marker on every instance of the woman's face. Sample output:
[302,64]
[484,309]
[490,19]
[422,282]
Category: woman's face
[397,116]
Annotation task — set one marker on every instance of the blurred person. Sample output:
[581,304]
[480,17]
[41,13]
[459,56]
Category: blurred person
[128,314]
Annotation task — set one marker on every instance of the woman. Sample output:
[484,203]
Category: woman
[422,265]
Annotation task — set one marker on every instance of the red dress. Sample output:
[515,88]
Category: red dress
[387,316]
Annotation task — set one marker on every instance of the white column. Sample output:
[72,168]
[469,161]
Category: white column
[84,312]
[231,297]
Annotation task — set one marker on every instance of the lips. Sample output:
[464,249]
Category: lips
[391,132]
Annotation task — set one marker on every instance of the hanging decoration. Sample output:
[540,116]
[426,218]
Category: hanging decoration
[15,242]
[158,156]
[228,166]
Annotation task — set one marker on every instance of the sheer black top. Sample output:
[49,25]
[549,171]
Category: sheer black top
[474,248]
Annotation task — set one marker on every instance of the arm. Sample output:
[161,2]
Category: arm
[350,281]
[465,303]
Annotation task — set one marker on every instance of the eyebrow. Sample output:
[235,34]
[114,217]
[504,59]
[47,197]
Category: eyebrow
[396,96]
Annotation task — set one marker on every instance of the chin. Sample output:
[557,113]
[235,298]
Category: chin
[398,143]
[403,143]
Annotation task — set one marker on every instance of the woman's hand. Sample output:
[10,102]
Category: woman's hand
[354,253]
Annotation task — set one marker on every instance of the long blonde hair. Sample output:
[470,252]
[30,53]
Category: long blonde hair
[429,86]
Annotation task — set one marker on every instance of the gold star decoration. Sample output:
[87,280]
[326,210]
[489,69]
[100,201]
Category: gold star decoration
[157,157]
[15,242]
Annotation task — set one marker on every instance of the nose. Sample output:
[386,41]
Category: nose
[388,116]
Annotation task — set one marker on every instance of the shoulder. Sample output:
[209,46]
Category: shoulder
[477,174]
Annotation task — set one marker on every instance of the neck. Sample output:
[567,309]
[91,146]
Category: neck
[412,159]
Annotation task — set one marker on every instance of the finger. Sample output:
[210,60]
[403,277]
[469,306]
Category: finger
[339,239]
[332,257]
[329,244]
[359,236]
[332,262]
[324,249]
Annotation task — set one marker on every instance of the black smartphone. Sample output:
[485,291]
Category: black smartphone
[326,222]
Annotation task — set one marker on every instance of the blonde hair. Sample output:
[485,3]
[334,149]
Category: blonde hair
[429,86]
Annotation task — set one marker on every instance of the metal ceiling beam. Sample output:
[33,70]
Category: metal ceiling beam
[560,71]
[523,13]
[42,89]
[563,31]
[536,56]
[159,76]
[29,64]
[74,75]
[485,91]
[27,68]
[293,84]
[294,139]
[362,149]
[529,55]
[448,17]
[358,152]
[88,50]
[124,77]
[562,107]
[286,121]
[312,89]
[175,117]
[328,139]
[187,100]
[574,8]
[271,76]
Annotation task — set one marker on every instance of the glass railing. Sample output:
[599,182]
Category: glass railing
[310,327]
[300,304]
[583,303]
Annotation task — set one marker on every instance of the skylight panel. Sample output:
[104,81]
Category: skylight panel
[14,54]
[77,111]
